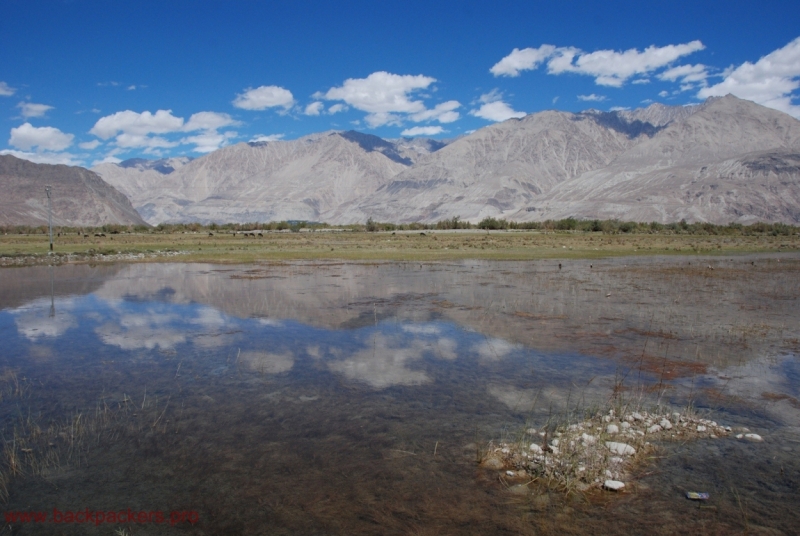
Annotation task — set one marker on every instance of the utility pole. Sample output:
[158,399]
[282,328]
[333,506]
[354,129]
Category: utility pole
[47,190]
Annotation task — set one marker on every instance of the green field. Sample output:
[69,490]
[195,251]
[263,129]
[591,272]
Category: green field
[426,245]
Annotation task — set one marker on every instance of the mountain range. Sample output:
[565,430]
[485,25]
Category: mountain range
[79,196]
[725,160]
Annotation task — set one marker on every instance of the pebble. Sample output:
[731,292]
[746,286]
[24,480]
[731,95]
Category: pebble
[613,485]
[492,463]
[588,439]
[654,429]
[622,449]
[534,448]
[753,437]
[637,417]
[665,424]
[612,429]
[701,428]
[625,425]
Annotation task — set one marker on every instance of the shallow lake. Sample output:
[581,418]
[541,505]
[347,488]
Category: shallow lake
[358,398]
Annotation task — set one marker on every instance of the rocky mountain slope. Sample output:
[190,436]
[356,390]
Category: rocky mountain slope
[721,161]
[732,160]
[304,179]
[79,196]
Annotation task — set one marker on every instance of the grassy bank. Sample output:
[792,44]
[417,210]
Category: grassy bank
[426,245]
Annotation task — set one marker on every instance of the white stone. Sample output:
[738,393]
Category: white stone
[588,439]
[625,425]
[665,424]
[554,450]
[612,429]
[613,485]
[609,474]
[701,428]
[555,442]
[753,437]
[531,431]
[676,416]
[739,436]
[606,419]
[534,448]
[637,416]
[654,429]
[511,473]
[623,449]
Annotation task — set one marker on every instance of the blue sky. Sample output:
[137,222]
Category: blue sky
[83,81]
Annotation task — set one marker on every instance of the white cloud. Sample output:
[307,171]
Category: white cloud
[132,141]
[269,137]
[89,145]
[6,90]
[771,81]
[314,108]
[45,157]
[422,131]
[209,121]
[522,60]
[608,67]
[30,109]
[663,93]
[379,119]
[381,92]
[26,136]
[133,123]
[264,97]
[592,98]
[443,112]
[131,88]
[687,73]
[494,109]
[641,81]
[209,141]
[619,108]
[388,99]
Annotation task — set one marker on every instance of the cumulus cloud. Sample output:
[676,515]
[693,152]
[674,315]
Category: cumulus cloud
[89,145]
[315,108]
[686,73]
[209,121]
[608,67]
[336,108]
[209,141]
[269,137]
[494,109]
[264,97]
[522,60]
[133,123]
[30,109]
[389,99]
[422,131]
[6,90]
[443,113]
[771,81]
[592,98]
[26,137]
[141,130]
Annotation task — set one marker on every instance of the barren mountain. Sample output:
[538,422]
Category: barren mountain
[500,168]
[732,160]
[304,179]
[79,196]
[721,161]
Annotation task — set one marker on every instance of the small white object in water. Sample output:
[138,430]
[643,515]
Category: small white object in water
[612,429]
[623,449]
[753,437]
[739,436]
[613,485]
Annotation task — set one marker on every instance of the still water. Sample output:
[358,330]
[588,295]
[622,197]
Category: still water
[356,398]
